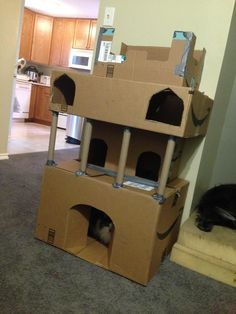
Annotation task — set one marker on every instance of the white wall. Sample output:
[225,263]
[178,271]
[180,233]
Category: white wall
[225,164]
[224,169]
[219,152]
[153,22]
[10,18]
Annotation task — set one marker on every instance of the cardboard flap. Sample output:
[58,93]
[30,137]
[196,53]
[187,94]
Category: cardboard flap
[152,53]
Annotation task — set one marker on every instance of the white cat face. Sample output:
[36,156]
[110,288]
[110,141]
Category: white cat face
[103,231]
[105,234]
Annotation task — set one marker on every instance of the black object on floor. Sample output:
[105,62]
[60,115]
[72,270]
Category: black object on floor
[72,140]
[217,206]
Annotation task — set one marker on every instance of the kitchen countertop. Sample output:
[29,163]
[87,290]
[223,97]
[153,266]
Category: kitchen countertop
[33,83]
[40,84]
[25,78]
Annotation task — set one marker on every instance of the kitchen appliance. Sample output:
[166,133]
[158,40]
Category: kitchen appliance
[21,101]
[62,120]
[32,73]
[21,63]
[81,59]
[44,79]
[74,127]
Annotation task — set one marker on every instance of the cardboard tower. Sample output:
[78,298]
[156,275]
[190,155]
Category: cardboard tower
[137,116]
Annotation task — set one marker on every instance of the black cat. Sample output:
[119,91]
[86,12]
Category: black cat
[217,207]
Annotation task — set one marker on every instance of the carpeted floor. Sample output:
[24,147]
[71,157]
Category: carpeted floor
[37,278]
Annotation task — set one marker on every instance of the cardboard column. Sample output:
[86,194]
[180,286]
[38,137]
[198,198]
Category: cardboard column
[123,157]
[82,140]
[165,169]
[85,145]
[52,139]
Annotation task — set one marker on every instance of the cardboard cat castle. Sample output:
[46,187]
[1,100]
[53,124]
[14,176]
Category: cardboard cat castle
[137,116]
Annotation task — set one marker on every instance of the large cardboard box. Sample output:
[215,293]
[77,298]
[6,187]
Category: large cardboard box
[168,109]
[144,230]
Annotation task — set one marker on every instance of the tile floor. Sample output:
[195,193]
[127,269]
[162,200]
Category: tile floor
[32,137]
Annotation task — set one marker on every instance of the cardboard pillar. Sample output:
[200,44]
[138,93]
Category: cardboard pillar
[165,169]
[82,140]
[52,139]
[86,144]
[123,157]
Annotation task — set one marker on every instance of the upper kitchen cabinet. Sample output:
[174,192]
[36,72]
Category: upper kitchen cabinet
[27,34]
[92,34]
[85,30]
[42,36]
[48,40]
[62,39]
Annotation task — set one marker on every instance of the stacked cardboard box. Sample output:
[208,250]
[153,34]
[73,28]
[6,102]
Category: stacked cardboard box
[137,116]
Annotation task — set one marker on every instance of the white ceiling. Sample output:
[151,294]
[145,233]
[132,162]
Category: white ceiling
[65,8]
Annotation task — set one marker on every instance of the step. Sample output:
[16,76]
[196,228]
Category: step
[212,254]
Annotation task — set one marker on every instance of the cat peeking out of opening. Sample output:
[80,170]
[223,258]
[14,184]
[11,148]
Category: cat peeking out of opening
[100,226]
[217,207]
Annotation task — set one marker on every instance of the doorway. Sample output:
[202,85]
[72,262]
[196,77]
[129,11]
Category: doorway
[27,136]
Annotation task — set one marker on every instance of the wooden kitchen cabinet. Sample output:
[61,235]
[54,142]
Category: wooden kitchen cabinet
[41,106]
[42,35]
[32,102]
[27,34]
[39,112]
[62,39]
[85,31]
[92,34]
[48,40]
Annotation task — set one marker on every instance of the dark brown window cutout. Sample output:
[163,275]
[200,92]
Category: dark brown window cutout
[97,152]
[67,88]
[166,107]
[148,166]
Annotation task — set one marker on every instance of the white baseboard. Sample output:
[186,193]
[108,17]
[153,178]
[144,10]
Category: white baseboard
[4,156]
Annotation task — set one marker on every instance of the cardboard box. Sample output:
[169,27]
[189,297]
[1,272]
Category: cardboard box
[144,229]
[168,109]
[177,65]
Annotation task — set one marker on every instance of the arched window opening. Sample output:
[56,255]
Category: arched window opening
[90,223]
[166,107]
[148,166]
[97,152]
[64,86]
